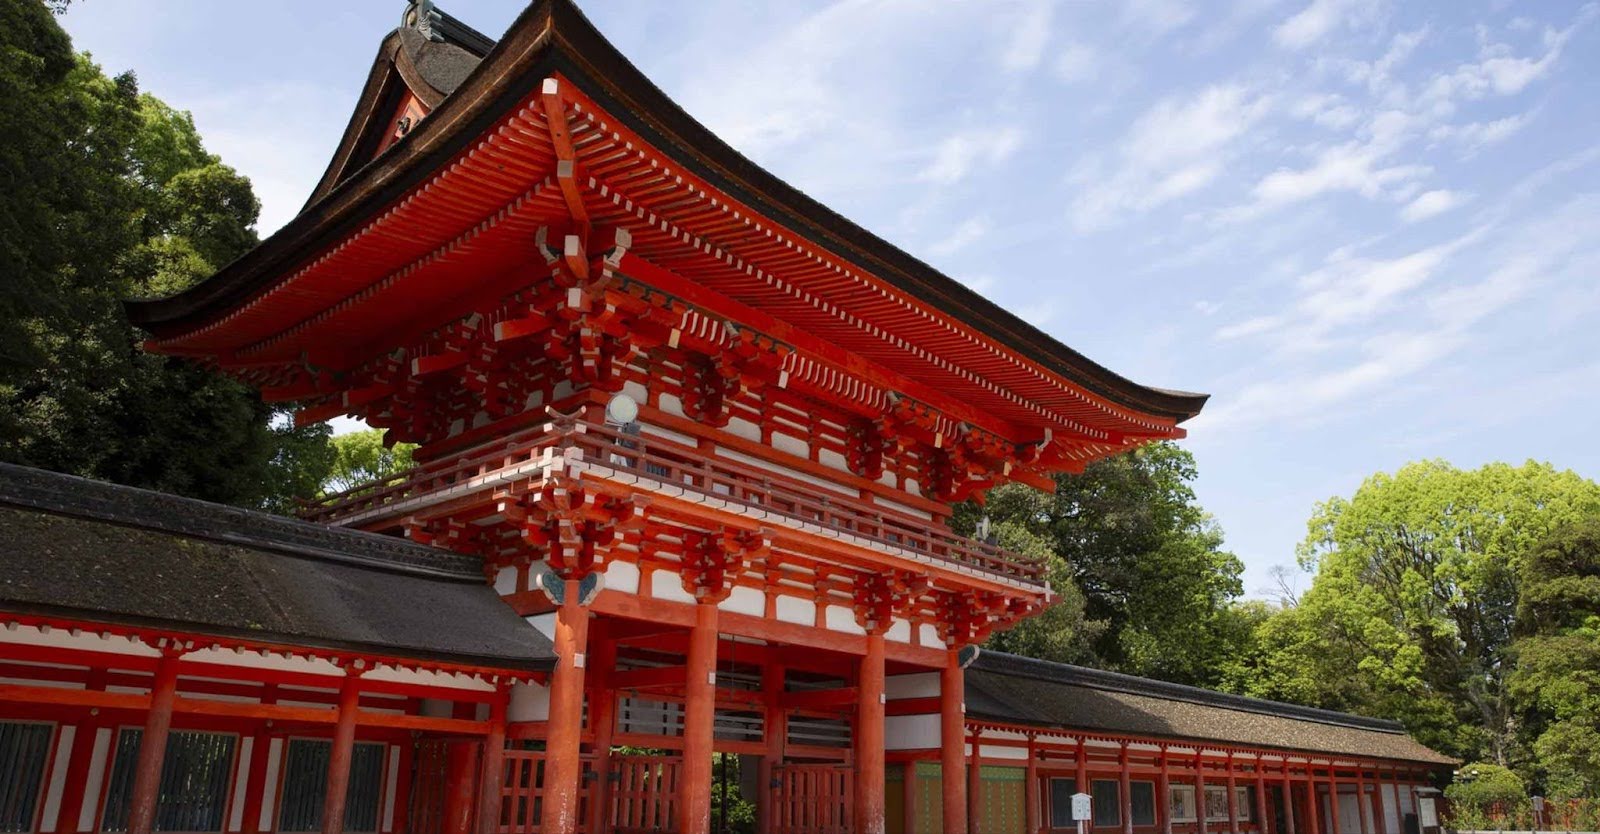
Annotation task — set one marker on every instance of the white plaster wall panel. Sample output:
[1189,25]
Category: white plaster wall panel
[392,787]
[903,508]
[622,576]
[667,586]
[930,636]
[57,638]
[240,780]
[637,391]
[544,623]
[793,445]
[797,610]
[97,769]
[529,702]
[832,460]
[669,434]
[48,684]
[58,779]
[1391,807]
[272,662]
[436,708]
[505,581]
[913,487]
[742,600]
[919,685]
[740,427]
[888,479]
[786,472]
[842,619]
[426,677]
[899,631]
[911,732]
[994,751]
[270,798]
[671,404]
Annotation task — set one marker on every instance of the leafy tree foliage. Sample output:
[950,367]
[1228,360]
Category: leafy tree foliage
[107,194]
[1412,610]
[1557,675]
[1148,561]
[360,457]
[1480,785]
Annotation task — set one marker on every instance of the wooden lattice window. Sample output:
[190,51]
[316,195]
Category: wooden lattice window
[305,786]
[24,749]
[194,781]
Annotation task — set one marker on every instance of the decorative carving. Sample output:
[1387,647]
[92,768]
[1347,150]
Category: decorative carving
[713,560]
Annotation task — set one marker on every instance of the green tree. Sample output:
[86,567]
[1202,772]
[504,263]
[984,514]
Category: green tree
[1412,608]
[1157,585]
[360,458]
[1557,674]
[107,194]
[1062,633]
[1480,785]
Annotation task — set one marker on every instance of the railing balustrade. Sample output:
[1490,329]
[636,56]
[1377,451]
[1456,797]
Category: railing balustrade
[680,466]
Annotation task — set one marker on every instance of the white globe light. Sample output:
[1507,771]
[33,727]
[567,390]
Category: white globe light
[622,410]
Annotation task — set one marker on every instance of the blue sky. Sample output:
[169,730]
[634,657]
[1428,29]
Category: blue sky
[1370,229]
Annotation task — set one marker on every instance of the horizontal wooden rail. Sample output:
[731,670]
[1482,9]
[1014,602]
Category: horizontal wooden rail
[564,439]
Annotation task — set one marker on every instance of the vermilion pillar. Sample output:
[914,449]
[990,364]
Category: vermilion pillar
[153,746]
[1333,801]
[1233,798]
[1263,823]
[344,745]
[869,739]
[1200,791]
[461,760]
[699,715]
[491,784]
[563,766]
[775,731]
[602,725]
[1030,790]
[1125,789]
[952,738]
[1164,792]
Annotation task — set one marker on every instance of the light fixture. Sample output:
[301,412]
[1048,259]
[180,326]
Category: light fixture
[622,410]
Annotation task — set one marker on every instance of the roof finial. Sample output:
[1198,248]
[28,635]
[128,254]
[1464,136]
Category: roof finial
[421,16]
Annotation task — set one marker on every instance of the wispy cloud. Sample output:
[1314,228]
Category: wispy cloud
[955,157]
[1430,204]
[1319,19]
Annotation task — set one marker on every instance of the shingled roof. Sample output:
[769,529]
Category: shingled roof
[97,552]
[1018,690]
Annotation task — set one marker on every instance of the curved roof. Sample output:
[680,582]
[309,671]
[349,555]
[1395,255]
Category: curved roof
[97,552]
[553,38]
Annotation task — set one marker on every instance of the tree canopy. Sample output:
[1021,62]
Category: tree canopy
[105,194]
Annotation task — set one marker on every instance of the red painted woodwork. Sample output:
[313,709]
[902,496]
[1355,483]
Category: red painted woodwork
[813,799]
[869,739]
[563,770]
[952,735]
[645,795]
[698,718]
[490,788]
[344,739]
[460,786]
[153,746]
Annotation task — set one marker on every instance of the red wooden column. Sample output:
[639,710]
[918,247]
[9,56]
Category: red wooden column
[775,732]
[975,784]
[344,745]
[602,726]
[1288,800]
[564,735]
[1233,797]
[1263,820]
[1333,799]
[72,798]
[1361,798]
[491,783]
[1030,789]
[699,716]
[1164,793]
[869,738]
[952,734]
[1125,789]
[1314,818]
[153,745]
[1199,791]
[460,764]
[1082,776]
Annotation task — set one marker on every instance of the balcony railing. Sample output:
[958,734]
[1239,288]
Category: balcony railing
[564,439]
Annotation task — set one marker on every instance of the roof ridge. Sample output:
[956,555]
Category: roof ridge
[1018,666]
[71,495]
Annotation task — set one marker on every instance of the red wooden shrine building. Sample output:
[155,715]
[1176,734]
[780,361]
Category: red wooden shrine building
[689,443]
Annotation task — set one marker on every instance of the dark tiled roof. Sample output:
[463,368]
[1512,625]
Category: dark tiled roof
[1011,689]
[103,553]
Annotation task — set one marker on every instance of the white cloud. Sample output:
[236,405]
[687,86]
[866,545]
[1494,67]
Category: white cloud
[1157,16]
[1430,204]
[1477,135]
[1355,167]
[1026,47]
[1317,20]
[969,232]
[1175,148]
[955,157]
[1498,72]
[1077,62]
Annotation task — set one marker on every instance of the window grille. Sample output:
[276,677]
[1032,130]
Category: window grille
[24,748]
[305,786]
[194,781]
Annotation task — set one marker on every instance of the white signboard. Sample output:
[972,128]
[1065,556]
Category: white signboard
[1429,812]
[1082,807]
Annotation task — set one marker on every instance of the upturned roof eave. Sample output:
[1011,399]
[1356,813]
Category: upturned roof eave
[553,36]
